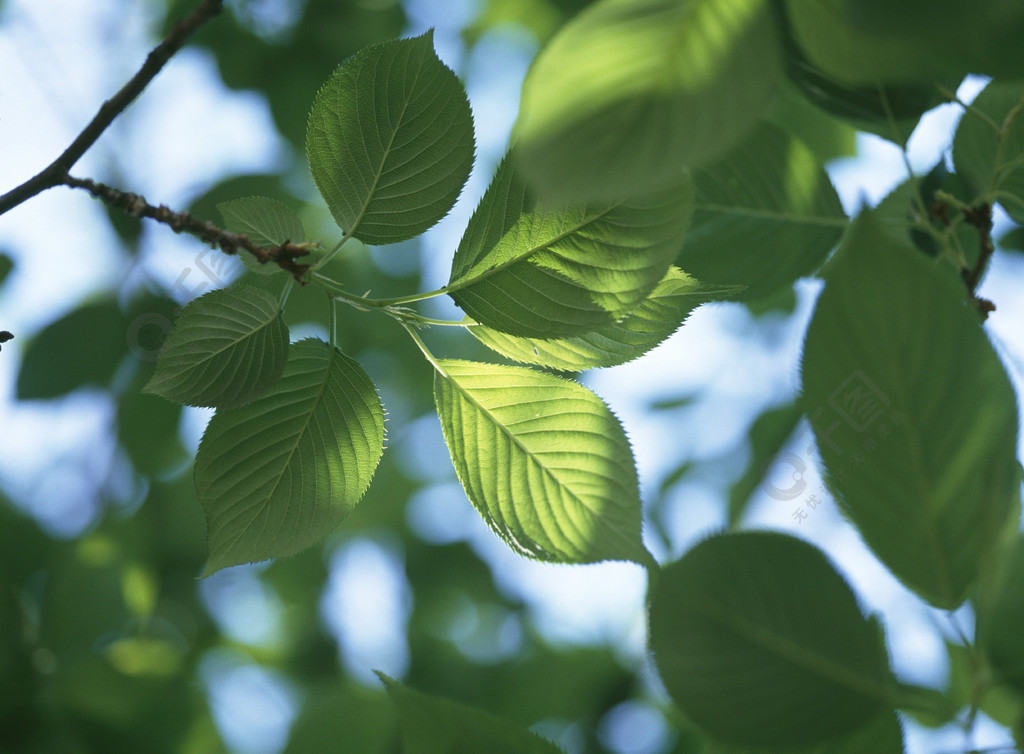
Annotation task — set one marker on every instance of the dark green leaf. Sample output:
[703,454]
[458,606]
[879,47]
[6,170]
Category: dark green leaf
[390,141]
[6,265]
[768,434]
[84,347]
[543,460]
[915,418]
[267,222]
[432,725]
[147,428]
[227,347]
[654,320]
[988,149]
[849,54]
[541,273]
[630,92]
[1001,618]
[761,643]
[279,474]
[765,214]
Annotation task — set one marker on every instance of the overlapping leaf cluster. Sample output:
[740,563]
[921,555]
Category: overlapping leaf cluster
[659,162]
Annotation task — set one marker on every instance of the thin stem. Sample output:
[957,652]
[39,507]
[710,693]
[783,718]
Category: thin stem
[285,293]
[422,346]
[333,252]
[334,323]
[56,172]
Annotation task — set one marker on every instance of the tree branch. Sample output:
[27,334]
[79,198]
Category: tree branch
[282,255]
[56,173]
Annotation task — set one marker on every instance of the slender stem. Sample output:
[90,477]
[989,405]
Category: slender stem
[334,323]
[333,252]
[285,293]
[422,346]
[56,172]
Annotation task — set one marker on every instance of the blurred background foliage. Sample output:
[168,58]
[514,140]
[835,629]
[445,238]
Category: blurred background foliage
[107,640]
[109,643]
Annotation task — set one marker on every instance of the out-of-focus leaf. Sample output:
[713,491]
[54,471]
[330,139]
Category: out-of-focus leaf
[432,725]
[764,215]
[1001,617]
[989,146]
[390,141]
[84,347]
[761,643]
[768,434]
[915,417]
[631,92]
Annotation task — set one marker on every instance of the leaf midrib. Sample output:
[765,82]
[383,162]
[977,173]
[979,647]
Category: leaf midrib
[462,391]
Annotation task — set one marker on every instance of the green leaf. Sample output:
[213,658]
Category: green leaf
[980,37]
[536,272]
[768,434]
[915,418]
[988,149]
[654,320]
[433,725]
[543,460]
[390,141]
[84,347]
[765,214]
[1001,617]
[227,347]
[883,735]
[849,54]
[266,221]
[890,110]
[760,642]
[6,265]
[278,475]
[147,428]
[630,92]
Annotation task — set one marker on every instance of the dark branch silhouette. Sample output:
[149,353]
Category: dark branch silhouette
[56,173]
[282,255]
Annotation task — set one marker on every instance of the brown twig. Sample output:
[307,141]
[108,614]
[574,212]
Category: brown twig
[981,218]
[56,173]
[282,255]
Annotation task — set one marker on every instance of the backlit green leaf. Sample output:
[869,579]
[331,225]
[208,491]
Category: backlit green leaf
[543,460]
[630,92]
[536,272]
[278,475]
[434,725]
[915,418]
[654,320]
[765,214]
[761,643]
[390,141]
[267,222]
[227,347]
